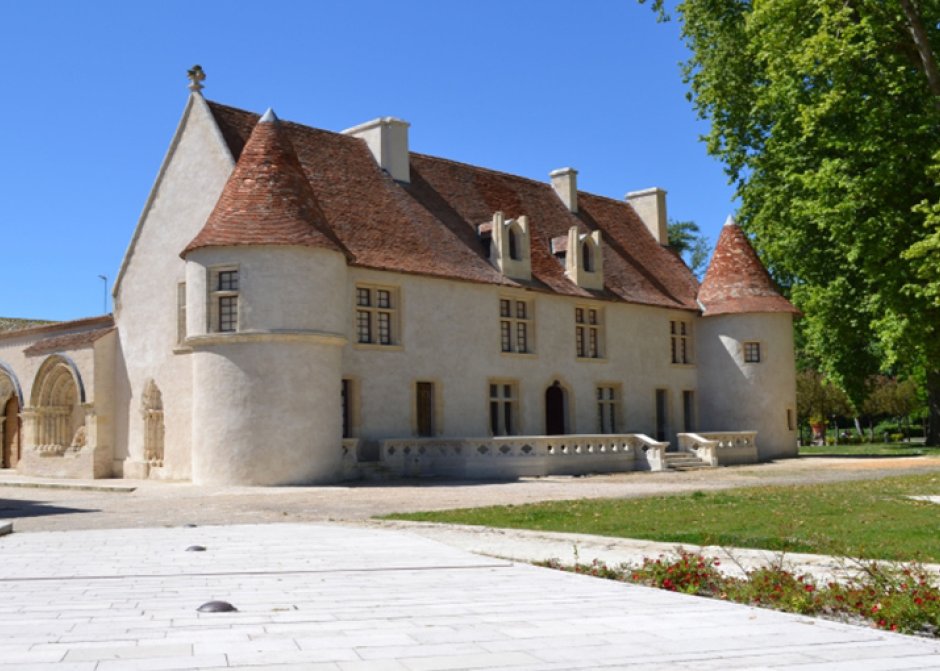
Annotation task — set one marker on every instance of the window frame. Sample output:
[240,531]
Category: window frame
[589,332]
[218,294]
[609,409]
[680,342]
[505,406]
[511,325]
[375,316]
[750,349]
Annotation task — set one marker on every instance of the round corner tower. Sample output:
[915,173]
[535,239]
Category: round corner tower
[266,316]
[746,364]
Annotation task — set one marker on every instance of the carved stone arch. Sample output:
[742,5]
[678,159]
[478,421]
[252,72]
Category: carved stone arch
[151,409]
[57,399]
[14,383]
[11,401]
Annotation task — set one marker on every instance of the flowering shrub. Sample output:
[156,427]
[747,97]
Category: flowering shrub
[906,599]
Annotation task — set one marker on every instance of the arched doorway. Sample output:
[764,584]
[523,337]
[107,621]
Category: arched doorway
[56,400]
[555,410]
[11,433]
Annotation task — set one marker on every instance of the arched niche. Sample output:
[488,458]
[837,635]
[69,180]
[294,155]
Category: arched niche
[151,409]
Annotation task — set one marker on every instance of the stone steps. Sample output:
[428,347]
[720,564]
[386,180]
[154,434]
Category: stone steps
[683,461]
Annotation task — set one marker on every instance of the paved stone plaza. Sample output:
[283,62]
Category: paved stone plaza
[336,597]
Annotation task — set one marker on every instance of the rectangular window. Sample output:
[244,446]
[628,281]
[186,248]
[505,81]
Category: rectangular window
[347,398]
[660,415]
[223,304]
[515,318]
[587,332]
[688,411]
[503,408]
[681,341]
[791,425]
[180,312]
[424,408]
[752,352]
[376,315]
[608,409]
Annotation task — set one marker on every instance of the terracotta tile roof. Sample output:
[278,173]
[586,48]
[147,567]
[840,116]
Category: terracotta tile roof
[430,225]
[736,280]
[67,342]
[267,199]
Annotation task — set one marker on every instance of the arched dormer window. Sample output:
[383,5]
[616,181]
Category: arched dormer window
[587,254]
[509,245]
[514,251]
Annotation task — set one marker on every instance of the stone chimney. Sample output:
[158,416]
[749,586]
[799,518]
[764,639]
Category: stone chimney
[387,139]
[650,204]
[565,183]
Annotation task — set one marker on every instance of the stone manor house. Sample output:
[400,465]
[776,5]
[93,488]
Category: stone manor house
[301,306]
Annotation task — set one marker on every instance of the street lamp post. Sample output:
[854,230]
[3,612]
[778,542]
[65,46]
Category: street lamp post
[104,295]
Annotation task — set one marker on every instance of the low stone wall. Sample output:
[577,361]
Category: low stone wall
[56,461]
[520,456]
[725,448]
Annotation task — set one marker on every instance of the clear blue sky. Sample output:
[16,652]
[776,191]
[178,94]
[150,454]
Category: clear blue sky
[92,92]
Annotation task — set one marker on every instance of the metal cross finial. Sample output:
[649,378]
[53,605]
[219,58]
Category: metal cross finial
[196,77]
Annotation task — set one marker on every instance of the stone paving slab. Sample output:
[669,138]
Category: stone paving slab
[341,598]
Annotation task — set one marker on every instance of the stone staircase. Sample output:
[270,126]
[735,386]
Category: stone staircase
[683,461]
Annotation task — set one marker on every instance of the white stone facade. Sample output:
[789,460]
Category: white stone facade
[269,401]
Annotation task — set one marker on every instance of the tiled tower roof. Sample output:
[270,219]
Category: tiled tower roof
[736,280]
[267,199]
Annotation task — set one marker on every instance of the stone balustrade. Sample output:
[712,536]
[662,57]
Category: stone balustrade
[721,448]
[518,456]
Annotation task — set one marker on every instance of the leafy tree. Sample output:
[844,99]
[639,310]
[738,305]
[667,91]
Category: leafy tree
[817,399]
[686,238]
[826,114]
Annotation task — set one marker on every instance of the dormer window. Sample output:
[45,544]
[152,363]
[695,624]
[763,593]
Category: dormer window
[584,263]
[509,245]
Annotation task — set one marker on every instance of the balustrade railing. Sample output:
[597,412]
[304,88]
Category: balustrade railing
[721,447]
[523,455]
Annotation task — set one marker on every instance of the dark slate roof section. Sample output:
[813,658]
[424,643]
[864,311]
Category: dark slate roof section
[736,281]
[267,199]
[429,226]
[67,342]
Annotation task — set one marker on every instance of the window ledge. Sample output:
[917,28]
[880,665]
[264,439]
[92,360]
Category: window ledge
[682,365]
[366,346]
[520,355]
[592,359]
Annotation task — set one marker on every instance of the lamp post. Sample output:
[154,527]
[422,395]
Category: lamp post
[104,296]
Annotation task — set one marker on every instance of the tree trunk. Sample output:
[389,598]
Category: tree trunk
[927,57]
[933,408]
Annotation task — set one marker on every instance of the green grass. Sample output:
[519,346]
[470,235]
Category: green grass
[869,518]
[873,449]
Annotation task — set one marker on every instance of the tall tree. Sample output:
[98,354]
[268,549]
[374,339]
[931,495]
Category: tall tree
[687,240]
[826,114]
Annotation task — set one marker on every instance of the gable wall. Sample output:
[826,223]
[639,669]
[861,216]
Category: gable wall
[146,305]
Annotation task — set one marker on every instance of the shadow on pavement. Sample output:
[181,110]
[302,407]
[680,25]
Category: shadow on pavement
[11,509]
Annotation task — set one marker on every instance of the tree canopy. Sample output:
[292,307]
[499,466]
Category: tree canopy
[686,238]
[826,114]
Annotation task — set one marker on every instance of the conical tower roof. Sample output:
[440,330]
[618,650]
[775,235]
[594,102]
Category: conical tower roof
[736,281]
[267,199]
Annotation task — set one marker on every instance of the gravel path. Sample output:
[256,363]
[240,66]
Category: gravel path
[128,503]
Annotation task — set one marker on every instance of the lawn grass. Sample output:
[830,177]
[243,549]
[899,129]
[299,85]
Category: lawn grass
[870,449]
[869,518]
